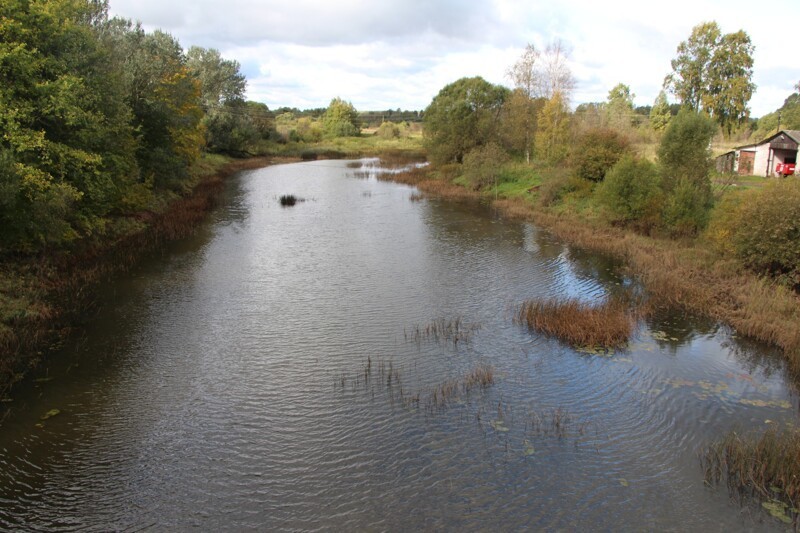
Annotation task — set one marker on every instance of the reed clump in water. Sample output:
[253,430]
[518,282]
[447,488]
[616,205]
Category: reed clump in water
[609,324]
[765,468]
[442,329]
[288,200]
[480,377]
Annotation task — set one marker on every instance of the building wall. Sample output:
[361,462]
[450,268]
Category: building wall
[760,162]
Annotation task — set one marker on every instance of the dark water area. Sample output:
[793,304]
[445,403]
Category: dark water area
[262,375]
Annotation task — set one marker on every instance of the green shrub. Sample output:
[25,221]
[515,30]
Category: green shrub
[556,185]
[388,130]
[768,237]
[684,151]
[598,150]
[482,165]
[687,208]
[632,193]
[724,222]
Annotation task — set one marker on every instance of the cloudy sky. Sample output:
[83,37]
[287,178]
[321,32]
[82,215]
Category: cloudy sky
[385,54]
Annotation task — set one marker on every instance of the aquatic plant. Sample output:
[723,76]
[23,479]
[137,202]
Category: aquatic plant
[442,329]
[287,200]
[765,469]
[608,324]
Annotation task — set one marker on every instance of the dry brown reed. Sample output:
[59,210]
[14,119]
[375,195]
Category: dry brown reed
[692,276]
[608,324]
[764,468]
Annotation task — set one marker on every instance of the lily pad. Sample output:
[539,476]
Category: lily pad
[498,426]
[529,449]
[777,510]
[623,482]
[50,414]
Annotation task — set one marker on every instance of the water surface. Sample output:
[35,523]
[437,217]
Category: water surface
[222,385]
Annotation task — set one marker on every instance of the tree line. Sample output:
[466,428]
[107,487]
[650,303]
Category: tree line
[101,119]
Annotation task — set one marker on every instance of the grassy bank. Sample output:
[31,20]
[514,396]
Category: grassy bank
[42,296]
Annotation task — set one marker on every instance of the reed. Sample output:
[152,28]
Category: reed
[605,325]
[765,469]
[287,200]
[442,329]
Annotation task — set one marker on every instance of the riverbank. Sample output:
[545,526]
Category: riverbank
[685,273]
[42,297]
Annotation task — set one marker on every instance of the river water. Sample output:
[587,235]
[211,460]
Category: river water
[264,374]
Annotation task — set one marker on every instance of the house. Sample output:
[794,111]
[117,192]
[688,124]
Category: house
[760,159]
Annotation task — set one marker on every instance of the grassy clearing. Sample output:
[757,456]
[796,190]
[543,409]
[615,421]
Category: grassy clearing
[399,149]
[608,324]
[763,468]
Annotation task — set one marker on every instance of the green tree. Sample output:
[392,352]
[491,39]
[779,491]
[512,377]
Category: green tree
[685,158]
[713,73]
[597,151]
[220,79]
[619,108]
[340,119]
[462,116]
[65,132]
[660,114]
[552,136]
[165,98]
[632,193]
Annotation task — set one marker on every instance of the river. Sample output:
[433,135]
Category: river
[264,374]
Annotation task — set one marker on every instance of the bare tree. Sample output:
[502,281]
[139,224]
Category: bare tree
[520,108]
[524,73]
[555,75]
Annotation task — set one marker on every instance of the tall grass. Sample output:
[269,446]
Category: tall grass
[765,468]
[608,324]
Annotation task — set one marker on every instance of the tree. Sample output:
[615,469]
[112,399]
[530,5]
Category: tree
[632,193]
[553,134]
[620,107]
[66,144]
[340,119]
[521,110]
[685,159]
[220,79]
[482,165]
[597,151]
[660,115]
[730,86]
[462,116]
[555,75]
[713,73]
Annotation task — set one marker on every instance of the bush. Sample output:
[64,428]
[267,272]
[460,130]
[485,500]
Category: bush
[598,150]
[687,208]
[767,238]
[388,130]
[632,193]
[482,165]
[684,150]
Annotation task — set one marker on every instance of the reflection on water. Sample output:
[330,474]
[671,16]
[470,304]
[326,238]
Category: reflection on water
[260,375]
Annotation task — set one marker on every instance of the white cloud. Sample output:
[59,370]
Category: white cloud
[400,53]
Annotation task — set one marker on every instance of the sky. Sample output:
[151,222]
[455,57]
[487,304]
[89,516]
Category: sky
[389,54]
